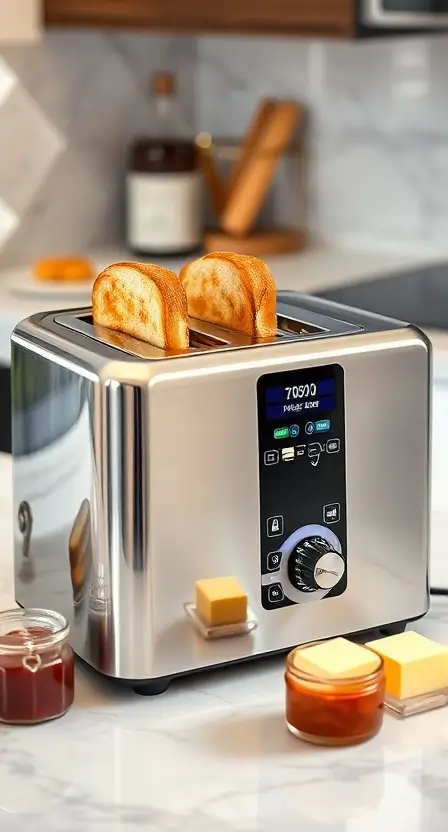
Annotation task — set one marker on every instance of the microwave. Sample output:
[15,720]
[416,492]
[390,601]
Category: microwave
[404,15]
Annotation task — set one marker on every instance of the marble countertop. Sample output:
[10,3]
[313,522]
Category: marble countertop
[213,755]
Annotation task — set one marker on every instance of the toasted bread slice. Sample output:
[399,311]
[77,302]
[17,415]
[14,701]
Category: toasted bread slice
[233,290]
[142,300]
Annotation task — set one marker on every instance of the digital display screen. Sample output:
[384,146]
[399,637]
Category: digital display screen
[311,397]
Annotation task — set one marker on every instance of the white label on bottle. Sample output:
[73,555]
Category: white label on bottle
[164,211]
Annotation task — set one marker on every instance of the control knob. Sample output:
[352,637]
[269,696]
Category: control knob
[314,565]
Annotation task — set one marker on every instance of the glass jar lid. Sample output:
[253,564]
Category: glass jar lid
[32,629]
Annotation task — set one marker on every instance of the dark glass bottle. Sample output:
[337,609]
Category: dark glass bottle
[164,182]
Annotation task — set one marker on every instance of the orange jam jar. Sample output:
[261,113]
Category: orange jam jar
[334,711]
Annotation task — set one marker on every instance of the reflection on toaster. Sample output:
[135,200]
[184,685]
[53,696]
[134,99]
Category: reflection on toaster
[27,571]
[80,551]
[100,629]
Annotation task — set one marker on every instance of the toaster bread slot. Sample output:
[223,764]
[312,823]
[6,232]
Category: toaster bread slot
[204,336]
[198,340]
[295,322]
[295,328]
[211,336]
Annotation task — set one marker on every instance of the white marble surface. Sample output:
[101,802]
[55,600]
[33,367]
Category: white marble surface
[69,106]
[212,755]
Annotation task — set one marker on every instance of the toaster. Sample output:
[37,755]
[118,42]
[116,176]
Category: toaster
[297,464]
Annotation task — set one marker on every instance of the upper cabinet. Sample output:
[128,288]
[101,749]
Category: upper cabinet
[305,17]
[332,18]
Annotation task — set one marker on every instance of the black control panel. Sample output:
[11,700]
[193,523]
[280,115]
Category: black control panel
[302,477]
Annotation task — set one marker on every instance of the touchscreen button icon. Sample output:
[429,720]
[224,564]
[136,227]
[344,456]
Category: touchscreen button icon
[332,513]
[271,457]
[333,446]
[275,593]
[275,526]
[288,454]
[274,560]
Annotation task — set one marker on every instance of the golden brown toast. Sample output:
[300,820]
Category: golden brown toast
[232,290]
[142,300]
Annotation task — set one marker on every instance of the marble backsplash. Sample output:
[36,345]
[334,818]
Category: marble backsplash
[378,127]
[69,107]
[377,132]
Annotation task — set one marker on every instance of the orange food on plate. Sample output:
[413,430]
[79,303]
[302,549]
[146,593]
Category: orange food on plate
[64,269]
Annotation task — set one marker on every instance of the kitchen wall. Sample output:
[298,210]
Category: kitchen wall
[378,127]
[378,130]
[68,109]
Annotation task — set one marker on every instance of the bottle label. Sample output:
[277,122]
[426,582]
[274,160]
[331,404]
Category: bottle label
[164,211]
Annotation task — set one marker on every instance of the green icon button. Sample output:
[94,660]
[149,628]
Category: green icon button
[281,433]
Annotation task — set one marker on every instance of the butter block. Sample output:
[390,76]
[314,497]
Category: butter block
[336,659]
[413,664]
[220,601]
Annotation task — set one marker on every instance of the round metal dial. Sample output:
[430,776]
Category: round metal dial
[314,565]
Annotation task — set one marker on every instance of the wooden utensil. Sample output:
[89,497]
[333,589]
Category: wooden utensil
[258,123]
[238,200]
[270,134]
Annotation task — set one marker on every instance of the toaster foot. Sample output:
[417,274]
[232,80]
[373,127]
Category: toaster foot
[152,688]
[393,629]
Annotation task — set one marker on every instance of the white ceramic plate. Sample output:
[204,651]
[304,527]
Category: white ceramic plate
[25,285]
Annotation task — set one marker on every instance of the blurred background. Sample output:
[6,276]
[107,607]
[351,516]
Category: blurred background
[75,92]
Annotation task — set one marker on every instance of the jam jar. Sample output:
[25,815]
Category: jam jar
[334,711]
[36,666]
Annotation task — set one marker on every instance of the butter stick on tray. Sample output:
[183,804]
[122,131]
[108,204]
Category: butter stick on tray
[414,665]
[221,601]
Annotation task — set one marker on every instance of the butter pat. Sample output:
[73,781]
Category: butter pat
[336,659]
[413,664]
[220,601]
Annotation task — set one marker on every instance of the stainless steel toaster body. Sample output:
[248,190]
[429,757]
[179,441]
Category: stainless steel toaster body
[299,465]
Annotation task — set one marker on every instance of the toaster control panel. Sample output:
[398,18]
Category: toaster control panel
[302,480]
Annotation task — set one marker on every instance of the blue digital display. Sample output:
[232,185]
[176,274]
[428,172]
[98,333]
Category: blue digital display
[301,399]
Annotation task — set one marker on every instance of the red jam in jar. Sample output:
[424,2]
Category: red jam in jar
[36,666]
